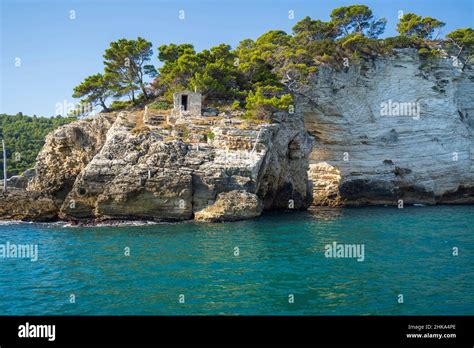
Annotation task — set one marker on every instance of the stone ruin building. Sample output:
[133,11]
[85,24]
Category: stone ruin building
[186,104]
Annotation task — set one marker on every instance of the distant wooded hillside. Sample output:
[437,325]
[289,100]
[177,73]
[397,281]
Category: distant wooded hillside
[24,137]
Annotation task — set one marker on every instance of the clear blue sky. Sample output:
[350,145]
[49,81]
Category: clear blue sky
[57,53]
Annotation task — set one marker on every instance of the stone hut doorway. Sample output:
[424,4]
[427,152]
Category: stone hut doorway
[184,102]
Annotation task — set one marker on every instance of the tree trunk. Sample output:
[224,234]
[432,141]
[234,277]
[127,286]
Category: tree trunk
[465,63]
[144,90]
[102,103]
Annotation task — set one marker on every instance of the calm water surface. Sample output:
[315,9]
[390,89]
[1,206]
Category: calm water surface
[407,251]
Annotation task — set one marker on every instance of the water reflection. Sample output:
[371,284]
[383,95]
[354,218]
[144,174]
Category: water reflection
[326,213]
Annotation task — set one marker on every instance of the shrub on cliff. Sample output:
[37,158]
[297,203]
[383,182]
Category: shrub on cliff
[119,105]
[422,27]
[461,43]
[357,42]
[428,53]
[160,105]
[402,41]
[210,135]
[265,100]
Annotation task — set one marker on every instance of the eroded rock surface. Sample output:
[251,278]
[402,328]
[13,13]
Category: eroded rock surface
[115,166]
[66,152]
[231,206]
[374,158]
[19,204]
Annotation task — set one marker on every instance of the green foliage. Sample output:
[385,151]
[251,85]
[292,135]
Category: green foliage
[179,64]
[422,27]
[321,50]
[308,30]
[269,96]
[276,62]
[218,77]
[95,88]
[126,66]
[266,100]
[461,42]
[212,72]
[355,42]
[24,137]
[236,105]
[120,104]
[170,53]
[159,105]
[402,41]
[429,53]
[357,19]
[254,65]
[210,135]
[464,38]
[223,74]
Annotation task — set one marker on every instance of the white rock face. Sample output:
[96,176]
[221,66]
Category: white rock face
[376,155]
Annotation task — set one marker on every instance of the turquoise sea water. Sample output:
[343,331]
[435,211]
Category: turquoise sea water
[407,251]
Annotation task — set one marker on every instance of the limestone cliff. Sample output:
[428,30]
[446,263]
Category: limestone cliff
[366,155]
[66,152]
[380,131]
[125,166]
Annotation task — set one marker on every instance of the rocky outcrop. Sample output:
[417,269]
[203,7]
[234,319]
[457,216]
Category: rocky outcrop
[20,181]
[231,206]
[19,204]
[116,166]
[371,144]
[283,182]
[325,180]
[66,152]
